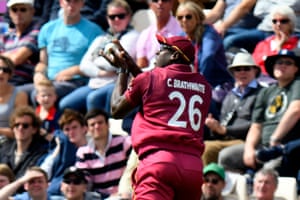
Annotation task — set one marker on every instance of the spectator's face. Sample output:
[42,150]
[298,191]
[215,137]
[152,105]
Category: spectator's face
[118,19]
[212,186]
[23,129]
[46,96]
[75,132]
[187,20]
[37,187]
[21,14]
[244,75]
[4,180]
[281,23]
[285,69]
[162,8]
[264,187]
[71,8]
[73,188]
[4,74]
[98,127]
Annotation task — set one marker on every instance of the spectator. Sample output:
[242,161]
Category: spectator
[213,182]
[105,156]
[236,109]
[35,182]
[248,40]
[165,25]
[6,175]
[275,117]
[283,25]
[20,44]
[75,186]
[94,11]
[10,98]
[28,147]
[166,139]
[41,12]
[265,184]
[231,17]
[60,53]
[46,98]
[103,75]
[210,55]
[68,139]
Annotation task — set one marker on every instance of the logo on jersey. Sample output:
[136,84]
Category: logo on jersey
[277,105]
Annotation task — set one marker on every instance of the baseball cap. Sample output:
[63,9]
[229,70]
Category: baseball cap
[74,171]
[293,54]
[243,59]
[181,44]
[13,2]
[214,168]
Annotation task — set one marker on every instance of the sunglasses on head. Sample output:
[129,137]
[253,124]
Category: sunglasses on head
[119,16]
[282,21]
[24,125]
[245,68]
[284,62]
[187,17]
[163,1]
[19,9]
[214,181]
[73,181]
[5,69]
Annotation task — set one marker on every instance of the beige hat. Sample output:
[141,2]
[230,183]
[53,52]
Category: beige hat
[13,2]
[242,59]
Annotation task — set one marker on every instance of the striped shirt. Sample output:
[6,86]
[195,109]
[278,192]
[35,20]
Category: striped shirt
[106,170]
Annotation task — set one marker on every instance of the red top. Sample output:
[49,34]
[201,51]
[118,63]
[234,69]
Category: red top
[175,103]
[264,49]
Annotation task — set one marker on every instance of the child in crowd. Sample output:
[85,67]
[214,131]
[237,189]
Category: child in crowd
[46,97]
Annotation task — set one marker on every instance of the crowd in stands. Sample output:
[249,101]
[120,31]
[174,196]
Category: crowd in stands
[61,80]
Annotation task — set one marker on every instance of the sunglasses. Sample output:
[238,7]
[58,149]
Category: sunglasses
[119,16]
[23,10]
[282,21]
[5,69]
[24,125]
[213,181]
[187,17]
[284,62]
[163,1]
[73,181]
[238,69]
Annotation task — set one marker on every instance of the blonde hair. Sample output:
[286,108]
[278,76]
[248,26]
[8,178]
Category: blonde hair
[6,171]
[200,17]
[44,84]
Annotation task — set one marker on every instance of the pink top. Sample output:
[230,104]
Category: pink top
[147,44]
[175,102]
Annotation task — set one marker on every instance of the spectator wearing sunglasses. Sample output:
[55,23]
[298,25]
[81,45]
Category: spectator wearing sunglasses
[249,39]
[97,93]
[10,97]
[283,25]
[74,185]
[236,109]
[27,148]
[20,43]
[213,182]
[275,118]
[210,58]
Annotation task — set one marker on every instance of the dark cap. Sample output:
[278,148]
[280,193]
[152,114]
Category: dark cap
[214,168]
[181,44]
[293,54]
[74,171]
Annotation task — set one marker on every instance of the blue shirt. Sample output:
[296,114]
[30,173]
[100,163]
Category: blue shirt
[66,44]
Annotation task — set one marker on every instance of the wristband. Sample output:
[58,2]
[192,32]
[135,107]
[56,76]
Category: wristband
[275,140]
[122,70]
